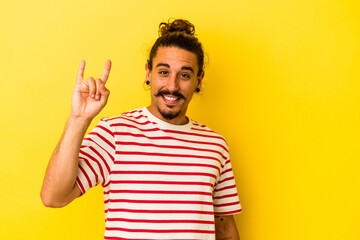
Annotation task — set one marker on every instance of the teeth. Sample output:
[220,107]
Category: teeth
[170,98]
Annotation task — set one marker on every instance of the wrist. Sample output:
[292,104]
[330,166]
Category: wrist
[79,121]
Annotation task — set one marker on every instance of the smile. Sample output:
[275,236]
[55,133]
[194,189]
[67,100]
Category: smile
[170,99]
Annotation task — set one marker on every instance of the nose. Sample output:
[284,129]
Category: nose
[172,83]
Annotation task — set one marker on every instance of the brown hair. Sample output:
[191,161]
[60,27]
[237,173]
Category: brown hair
[178,33]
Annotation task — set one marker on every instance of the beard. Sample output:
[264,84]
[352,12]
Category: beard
[168,114]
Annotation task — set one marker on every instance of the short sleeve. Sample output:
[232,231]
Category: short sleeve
[225,196]
[96,157]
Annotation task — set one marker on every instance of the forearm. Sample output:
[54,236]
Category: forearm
[60,177]
[225,228]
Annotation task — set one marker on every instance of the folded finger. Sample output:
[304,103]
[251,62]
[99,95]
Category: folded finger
[92,86]
[98,83]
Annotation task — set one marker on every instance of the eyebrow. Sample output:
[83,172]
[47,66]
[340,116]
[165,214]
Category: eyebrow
[168,66]
[188,68]
[163,65]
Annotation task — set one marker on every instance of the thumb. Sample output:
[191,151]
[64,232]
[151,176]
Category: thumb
[104,91]
[104,95]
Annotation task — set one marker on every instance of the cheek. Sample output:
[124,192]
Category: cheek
[157,83]
[189,92]
[155,88]
[191,86]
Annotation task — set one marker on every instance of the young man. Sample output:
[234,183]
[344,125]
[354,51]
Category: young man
[164,176]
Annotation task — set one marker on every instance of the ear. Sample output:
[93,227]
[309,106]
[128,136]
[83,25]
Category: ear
[148,73]
[200,78]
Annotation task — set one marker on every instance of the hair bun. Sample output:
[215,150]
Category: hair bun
[177,25]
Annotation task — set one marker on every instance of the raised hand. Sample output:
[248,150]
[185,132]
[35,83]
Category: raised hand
[91,96]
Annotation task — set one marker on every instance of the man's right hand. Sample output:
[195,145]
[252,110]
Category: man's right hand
[88,99]
[91,96]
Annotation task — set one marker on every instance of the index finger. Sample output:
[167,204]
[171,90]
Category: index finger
[80,76]
[105,74]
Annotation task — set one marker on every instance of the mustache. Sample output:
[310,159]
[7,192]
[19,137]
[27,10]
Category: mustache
[166,92]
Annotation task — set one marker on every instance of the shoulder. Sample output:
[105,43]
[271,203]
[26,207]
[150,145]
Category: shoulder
[196,126]
[134,115]
[205,130]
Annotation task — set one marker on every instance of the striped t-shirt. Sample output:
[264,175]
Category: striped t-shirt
[160,181]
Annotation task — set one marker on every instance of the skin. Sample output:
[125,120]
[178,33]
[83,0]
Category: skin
[225,228]
[174,75]
[88,99]
[175,71]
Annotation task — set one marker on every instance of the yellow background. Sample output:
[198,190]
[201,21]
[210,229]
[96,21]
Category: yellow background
[281,84]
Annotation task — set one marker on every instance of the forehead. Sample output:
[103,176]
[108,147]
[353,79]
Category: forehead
[175,57]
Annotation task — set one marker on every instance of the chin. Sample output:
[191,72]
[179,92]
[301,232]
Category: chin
[169,114]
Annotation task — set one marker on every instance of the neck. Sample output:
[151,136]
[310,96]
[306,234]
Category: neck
[179,120]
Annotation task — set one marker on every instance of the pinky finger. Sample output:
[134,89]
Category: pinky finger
[80,75]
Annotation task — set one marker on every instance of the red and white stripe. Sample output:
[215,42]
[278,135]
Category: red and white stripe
[160,181]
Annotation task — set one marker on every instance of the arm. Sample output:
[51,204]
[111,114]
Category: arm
[225,228]
[88,99]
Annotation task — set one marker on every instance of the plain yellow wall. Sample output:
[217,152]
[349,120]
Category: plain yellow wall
[281,84]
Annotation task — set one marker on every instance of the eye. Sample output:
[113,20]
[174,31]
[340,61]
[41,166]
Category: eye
[163,72]
[185,76]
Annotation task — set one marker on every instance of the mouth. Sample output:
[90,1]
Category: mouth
[169,98]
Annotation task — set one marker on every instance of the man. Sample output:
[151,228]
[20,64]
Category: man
[164,176]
